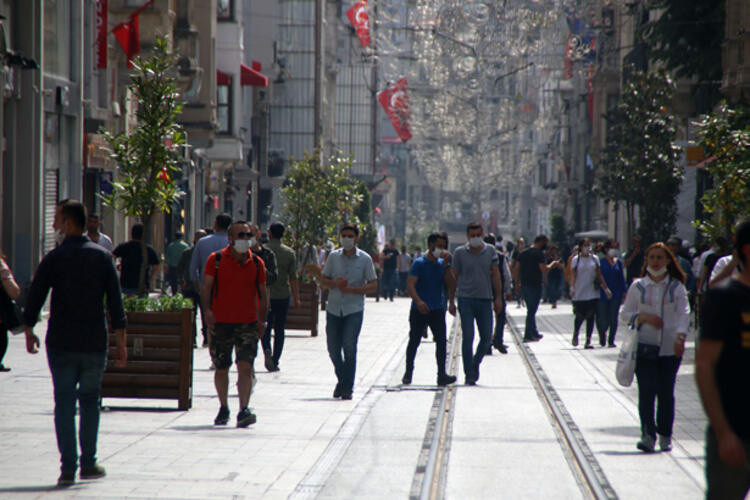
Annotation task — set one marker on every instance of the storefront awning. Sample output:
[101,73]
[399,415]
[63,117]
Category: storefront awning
[253,76]
[223,78]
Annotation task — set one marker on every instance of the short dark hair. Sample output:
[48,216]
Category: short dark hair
[490,238]
[473,225]
[276,230]
[674,240]
[499,238]
[178,235]
[434,236]
[541,238]
[223,221]
[349,227]
[75,212]
[136,232]
[742,238]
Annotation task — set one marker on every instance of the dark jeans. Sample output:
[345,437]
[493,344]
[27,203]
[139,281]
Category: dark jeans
[607,316]
[342,333]
[497,340]
[584,310]
[656,378]
[723,481]
[189,294]
[170,277]
[389,283]
[435,319]
[3,342]
[470,310]
[402,276]
[554,288]
[277,322]
[531,295]
[76,376]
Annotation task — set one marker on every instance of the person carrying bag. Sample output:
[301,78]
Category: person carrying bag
[10,313]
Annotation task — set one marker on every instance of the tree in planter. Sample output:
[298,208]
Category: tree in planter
[146,156]
[639,163]
[725,139]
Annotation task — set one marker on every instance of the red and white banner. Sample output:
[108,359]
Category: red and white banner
[360,21]
[101,33]
[395,102]
[128,34]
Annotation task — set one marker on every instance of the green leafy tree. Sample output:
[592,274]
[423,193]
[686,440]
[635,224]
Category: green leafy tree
[363,212]
[725,139]
[640,161]
[146,156]
[686,36]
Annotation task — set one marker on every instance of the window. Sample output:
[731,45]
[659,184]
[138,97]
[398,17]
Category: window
[225,10]
[223,108]
[57,44]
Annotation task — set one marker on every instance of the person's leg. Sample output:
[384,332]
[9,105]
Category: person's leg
[265,340]
[646,374]
[279,327]
[89,394]
[531,295]
[466,313]
[417,322]
[614,315]
[350,334]
[3,344]
[204,327]
[334,341]
[497,340]
[221,347]
[65,369]
[437,326]
[602,318]
[483,313]
[667,367]
[590,317]
[246,348]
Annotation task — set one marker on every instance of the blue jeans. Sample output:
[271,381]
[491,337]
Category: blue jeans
[277,322]
[389,283]
[76,375]
[470,310]
[342,333]
[607,313]
[531,295]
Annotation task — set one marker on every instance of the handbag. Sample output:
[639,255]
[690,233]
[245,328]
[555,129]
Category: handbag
[10,313]
[625,367]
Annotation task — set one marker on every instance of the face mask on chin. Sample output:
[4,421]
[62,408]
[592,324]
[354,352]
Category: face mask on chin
[59,236]
[241,246]
[656,272]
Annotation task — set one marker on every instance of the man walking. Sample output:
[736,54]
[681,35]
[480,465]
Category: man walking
[389,259]
[528,274]
[234,300]
[477,275]
[505,280]
[92,232]
[425,286]
[280,291]
[186,284]
[82,277]
[634,260]
[722,370]
[350,275]
[131,257]
[172,259]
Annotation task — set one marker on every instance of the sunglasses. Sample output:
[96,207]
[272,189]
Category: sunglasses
[243,234]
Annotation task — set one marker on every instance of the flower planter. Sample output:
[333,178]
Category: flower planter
[160,359]
[306,316]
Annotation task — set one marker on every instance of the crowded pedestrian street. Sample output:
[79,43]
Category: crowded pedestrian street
[544,421]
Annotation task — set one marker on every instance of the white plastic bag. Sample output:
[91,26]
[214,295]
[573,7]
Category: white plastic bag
[625,368]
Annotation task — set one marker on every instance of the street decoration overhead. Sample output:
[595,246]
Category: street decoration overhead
[360,21]
[395,102]
[127,34]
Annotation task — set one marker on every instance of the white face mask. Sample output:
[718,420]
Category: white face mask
[437,252]
[253,242]
[612,252]
[656,273]
[241,246]
[347,243]
[59,236]
[475,242]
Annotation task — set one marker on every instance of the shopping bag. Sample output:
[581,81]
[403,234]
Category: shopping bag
[625,368]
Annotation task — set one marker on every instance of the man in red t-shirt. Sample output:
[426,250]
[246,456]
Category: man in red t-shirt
[234,300]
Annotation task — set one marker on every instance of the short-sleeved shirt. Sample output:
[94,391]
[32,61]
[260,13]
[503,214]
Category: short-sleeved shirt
[404,261]
[358,270]
[429,285]
[235,298]
[286,268]
[104,241]
[391,263]
[174,251]
[474,271]
[529,261]
[726,318]
[585,287]
[131,256]
[205,247]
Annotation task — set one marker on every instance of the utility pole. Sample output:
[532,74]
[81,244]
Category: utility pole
[318,94]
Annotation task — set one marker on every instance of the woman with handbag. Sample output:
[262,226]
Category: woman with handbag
[657,305]
[586,279]
[8,293]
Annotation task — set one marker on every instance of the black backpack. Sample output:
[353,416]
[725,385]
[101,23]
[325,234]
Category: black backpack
[215,286]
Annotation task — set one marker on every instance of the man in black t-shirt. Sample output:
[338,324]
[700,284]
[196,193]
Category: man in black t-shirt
[722,370]
[131,256]
[390,262]
[634,260]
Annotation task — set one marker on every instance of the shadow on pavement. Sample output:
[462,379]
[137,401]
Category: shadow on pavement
[620,453]
[30,489]
[633,431]
[152,409]
[205,427]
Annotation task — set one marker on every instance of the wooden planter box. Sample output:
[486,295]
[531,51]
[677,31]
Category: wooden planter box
[160,359]
[306,317]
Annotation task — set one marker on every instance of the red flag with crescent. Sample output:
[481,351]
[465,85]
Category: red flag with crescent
[360,21]
[395,102]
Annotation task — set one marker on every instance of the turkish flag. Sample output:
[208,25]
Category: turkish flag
[395,102]
[127,34]
[360,21]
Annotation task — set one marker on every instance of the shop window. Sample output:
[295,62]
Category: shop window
[225,10]
[223,108]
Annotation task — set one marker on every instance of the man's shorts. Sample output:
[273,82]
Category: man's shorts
[242,337]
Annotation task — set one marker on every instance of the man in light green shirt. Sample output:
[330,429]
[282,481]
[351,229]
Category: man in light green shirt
[284,286]
[172,259]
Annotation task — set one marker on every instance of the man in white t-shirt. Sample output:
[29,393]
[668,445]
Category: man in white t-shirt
[92,232]
[585,290]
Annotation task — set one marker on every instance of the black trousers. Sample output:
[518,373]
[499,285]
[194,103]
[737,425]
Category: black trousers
[499,328]
[3,342]
[656,377]
[435,319]
[584,310]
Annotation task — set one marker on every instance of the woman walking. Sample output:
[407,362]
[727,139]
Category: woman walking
[657,306]
[586,279]
[608,308]
[8,291]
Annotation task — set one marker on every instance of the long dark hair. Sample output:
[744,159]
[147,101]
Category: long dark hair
[673,266]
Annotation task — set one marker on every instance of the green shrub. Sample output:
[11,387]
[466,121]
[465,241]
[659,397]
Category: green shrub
[165,303]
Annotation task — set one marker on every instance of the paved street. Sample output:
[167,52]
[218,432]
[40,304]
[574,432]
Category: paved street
[502,441]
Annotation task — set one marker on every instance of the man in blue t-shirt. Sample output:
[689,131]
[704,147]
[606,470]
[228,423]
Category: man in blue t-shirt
[425,286]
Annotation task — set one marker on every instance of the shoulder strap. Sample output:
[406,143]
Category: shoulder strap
[217,255]
[642,290]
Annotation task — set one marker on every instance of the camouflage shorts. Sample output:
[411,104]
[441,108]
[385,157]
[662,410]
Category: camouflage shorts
[242,337]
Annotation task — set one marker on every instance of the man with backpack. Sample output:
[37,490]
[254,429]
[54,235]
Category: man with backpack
[234,299]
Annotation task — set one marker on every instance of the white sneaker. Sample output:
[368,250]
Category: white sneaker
[665,443]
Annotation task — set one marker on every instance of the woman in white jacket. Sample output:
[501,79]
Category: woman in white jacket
[657,306]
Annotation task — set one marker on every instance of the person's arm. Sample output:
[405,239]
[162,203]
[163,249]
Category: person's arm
[9,282]
[702,279]
[326,276]
[602,283]
[411,289]
[682,309]
[195,267]
[726,271]
[498,287]
[117,316]
[38,291]
[208,284]
[263,309]
[506,279]
[631,256]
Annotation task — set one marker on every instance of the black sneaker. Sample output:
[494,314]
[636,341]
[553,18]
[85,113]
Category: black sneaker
[502,348]
[446,379]
[338,391]
[531,339]
[270,365]
[347,395]
[539,336]
[470,380]
[575,340]
[245,417]
[489,351]
[223,416]
[66,479]
[406,379]
[588,346]
[94,472]
[4,368]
